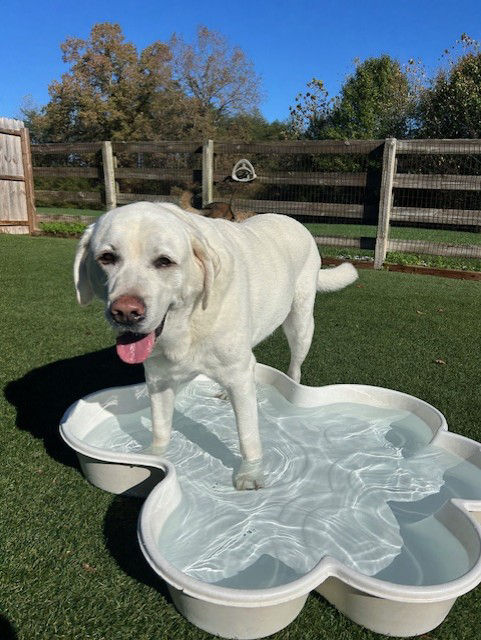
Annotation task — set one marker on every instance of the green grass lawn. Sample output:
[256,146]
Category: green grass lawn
[71,567]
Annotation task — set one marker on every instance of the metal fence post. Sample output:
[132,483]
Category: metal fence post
[109,175]
[385,201]
[207,172]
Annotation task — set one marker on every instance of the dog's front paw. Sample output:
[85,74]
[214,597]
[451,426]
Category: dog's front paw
[250,475]
[156,448]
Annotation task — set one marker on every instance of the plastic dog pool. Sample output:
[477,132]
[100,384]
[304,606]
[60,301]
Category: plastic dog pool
[369,500]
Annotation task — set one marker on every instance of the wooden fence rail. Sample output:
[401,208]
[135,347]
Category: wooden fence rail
[378,175]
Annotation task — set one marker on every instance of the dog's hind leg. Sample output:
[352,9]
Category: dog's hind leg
[299,329]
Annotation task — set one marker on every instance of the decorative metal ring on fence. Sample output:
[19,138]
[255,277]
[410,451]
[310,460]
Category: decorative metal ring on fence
[243,171]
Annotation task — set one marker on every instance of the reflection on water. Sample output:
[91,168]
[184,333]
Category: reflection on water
[356,482]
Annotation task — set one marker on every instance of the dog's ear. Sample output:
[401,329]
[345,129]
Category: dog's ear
[210,264]
[83,285]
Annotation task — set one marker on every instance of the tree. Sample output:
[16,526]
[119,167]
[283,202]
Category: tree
[218,78]
[312,112]
[110,92]
[451,106]
[114,92]
[250,127]
[31,114]
[374,102]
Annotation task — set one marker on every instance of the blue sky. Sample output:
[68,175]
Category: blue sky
[288,42]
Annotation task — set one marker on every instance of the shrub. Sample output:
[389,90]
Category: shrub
[62,229]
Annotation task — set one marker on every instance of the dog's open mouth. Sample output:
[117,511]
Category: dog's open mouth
[135,348]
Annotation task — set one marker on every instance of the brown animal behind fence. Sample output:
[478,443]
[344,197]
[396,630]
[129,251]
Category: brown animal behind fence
[212,210]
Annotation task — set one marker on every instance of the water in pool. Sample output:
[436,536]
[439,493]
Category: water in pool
[356,482]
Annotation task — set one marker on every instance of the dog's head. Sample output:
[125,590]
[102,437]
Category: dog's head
[144,261]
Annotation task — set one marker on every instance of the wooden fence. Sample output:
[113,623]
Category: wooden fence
[74,166]
[308,176]
[17,209]
[354,182]
[392,179]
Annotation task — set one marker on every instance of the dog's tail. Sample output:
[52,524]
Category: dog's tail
[336,278]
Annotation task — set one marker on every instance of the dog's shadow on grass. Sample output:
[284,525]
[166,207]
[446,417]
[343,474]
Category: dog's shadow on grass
[120,533]
[7,631]
[42,395]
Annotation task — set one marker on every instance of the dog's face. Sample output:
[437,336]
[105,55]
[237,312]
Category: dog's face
[144,262]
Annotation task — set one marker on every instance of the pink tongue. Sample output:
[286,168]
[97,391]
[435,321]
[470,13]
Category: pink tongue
[134,348]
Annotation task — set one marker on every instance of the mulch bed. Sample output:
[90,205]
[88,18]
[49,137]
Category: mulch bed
[425,271]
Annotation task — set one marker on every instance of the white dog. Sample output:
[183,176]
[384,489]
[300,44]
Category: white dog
[191,295]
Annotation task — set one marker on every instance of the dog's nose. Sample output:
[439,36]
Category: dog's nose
[127,310]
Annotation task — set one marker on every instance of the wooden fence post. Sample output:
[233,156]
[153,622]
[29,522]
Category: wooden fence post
[385,201]
[109,175]
[117,185]
[207,172]
[28,175]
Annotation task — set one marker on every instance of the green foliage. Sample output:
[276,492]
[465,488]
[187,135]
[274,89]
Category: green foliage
[312,112]
[382,99]
[451,106]
[437,262]
[402,258]
[62,229]
[374,102]
[73,183]
[250,127]
[111,90]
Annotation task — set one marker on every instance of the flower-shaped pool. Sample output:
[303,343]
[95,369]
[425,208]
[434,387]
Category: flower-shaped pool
[368,499]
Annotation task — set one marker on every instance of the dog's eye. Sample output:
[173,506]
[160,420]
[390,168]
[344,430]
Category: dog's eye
[107,258]
[162,261]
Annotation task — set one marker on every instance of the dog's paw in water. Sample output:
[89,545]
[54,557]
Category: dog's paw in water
[249,476]
[156,449]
